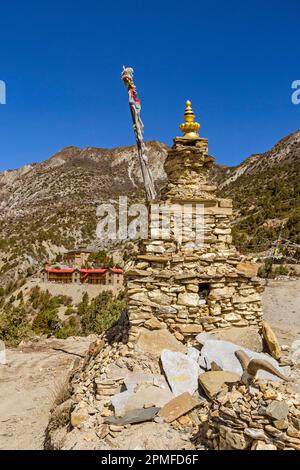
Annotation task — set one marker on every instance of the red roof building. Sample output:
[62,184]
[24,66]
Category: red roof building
[111,276]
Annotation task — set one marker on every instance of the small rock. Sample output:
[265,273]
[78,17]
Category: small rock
[190,329]
[185,421]
[115,428]
[177,407]
[270,394]
[106,412]
[260,445]
[292,432]
[159,419]
[213,381]
[278,410]
[103,431]
[153,342]
[282,425]
[273,431]
[179,336]
[96,347]
[256,434]
[189,299]
[271,340]
[154,324]
[79,416]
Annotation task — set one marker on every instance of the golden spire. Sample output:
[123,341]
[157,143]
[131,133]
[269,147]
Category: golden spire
[190,128]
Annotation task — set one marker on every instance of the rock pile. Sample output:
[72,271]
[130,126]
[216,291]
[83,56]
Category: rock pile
[194,396]
[158,380]
[263,416]
[180,283]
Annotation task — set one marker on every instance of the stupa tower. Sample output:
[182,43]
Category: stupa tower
[190,284]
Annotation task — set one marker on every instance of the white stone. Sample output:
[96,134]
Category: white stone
[223,354]
[189,299]
[159,297]
[193,353]
[146,396]
[134,379]
[232,317]
[181,371]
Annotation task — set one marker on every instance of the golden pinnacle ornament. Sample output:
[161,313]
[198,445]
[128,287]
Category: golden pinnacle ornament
[190,128]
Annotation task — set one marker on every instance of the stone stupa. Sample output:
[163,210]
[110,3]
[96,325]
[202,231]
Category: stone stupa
[179,285]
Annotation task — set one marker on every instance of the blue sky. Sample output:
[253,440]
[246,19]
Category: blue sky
[62,60]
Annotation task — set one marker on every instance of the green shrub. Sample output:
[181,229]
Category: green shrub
[69,328]
[102,313]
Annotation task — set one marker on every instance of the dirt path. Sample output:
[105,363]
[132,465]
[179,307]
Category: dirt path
[281,306]
[28,385]
[30,381]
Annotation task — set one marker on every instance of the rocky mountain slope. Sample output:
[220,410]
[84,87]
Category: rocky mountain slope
[50,206]
[265,189]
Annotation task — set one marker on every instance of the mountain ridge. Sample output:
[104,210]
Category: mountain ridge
[50,206]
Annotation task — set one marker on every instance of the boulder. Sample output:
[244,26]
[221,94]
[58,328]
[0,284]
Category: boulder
[177,407]
[213,382]
[247,337]
[223,354]
[153,342]
[271,340]
[181,371]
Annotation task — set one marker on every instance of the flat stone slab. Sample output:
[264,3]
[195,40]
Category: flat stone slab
[134,380]
[134,416]
[181,371]
[177,407]
[247,337]
[146,396]
[213,381]
[223,354]
[154,342]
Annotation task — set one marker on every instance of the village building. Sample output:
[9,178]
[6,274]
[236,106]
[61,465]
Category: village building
[109,277]
[77,257]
